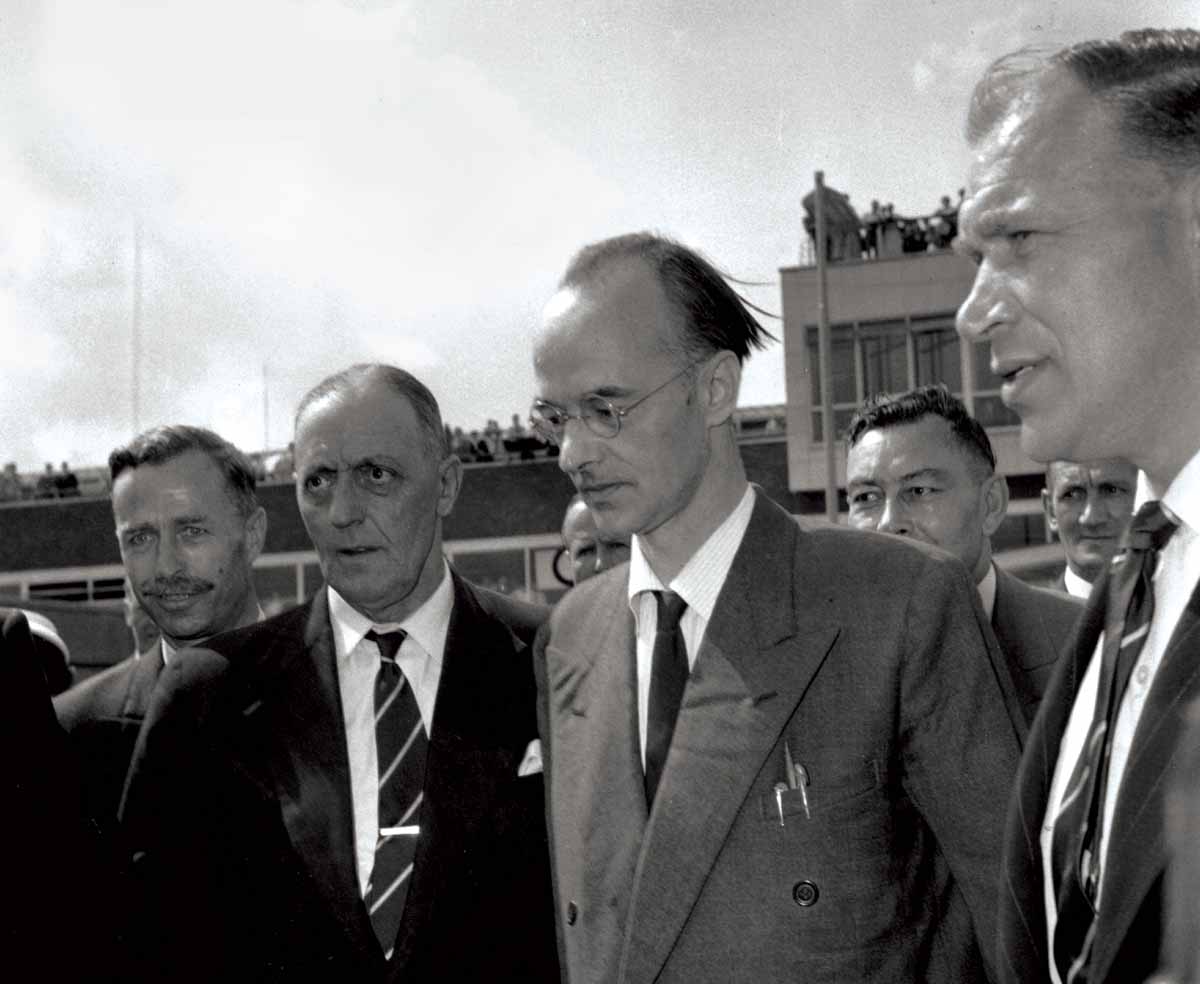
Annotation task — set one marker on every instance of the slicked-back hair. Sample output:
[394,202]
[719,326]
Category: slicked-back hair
[712,315]
[403,383]
[891,409]
[1149,79]
[170,441]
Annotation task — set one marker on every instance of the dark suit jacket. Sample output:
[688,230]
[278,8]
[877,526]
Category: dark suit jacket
[103,716]
[58,885]
[1129,930]
[869,658]
[1032,626]
[239,811]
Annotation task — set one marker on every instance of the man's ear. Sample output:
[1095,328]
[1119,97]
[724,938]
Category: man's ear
[721,380]
[995,503]
[450,481]
[1048,510]
[256,533]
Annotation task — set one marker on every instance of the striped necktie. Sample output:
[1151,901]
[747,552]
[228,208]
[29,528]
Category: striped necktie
[1077,828]
[401,744]
[668,678]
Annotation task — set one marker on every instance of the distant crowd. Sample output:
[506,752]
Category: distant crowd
[51,484]
[879,233]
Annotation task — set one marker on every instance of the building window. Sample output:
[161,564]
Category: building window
[893,356]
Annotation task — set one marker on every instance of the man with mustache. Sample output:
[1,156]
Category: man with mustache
[189,528]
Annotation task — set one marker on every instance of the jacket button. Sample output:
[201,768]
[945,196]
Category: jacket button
[804,893]
[572,913]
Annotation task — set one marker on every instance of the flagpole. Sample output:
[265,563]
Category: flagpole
[825,353]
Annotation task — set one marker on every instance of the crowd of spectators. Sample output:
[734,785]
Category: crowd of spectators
[50,484]
[493,443]
[880,233]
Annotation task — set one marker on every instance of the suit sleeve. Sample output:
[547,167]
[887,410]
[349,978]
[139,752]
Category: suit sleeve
[961,735]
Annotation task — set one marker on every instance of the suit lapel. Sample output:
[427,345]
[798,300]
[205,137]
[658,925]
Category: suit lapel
[597,801]
[761,649]
[1022,917]
[142,679]
[295,739]
[1140,817]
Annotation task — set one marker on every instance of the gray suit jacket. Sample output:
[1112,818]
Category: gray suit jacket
[869,659]
[1032,626]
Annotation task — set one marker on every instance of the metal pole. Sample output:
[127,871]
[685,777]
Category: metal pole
[136,324]
[825,355]
[266,412]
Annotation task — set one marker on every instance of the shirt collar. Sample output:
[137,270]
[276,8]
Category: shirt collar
[426,626]
[987,591]
[700,582]
[1182,496]
[1077,587]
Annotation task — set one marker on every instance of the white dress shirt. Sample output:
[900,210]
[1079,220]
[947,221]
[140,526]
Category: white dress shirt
[699,584]
[1076,586]
[1175,580]
[987,591]
[420,660]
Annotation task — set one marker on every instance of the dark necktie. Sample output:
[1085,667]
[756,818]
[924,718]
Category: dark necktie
[1077,828]
[668,677]
[401,744]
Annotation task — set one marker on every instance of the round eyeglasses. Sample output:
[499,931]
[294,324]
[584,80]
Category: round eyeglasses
[599,415]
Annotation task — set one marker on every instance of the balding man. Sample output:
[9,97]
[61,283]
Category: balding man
[351,790]
[1083,215]
[920,466]
[773,751]
[1088,504]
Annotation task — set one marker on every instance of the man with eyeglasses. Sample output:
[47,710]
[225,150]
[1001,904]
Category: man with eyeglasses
[773,752]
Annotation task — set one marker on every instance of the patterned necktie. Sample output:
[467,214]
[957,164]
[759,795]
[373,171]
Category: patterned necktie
[1077,829]
[668,677]
[401,744]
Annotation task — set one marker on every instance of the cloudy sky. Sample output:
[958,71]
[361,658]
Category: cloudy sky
[320,182]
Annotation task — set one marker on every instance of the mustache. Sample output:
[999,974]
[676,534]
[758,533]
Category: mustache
[180,584]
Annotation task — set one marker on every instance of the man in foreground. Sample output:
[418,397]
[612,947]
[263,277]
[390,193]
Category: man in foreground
[351,790]
[1083,215]
[920,466]
[773,753]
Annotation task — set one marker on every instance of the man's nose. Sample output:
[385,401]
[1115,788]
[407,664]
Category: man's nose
[167,560]
[578,447]
[1094,513]
[345,508]
[988,306]
[894,519]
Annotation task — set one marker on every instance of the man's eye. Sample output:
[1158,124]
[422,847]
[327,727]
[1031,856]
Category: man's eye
[921,491]
[864,498]
[193,531]
[137,539]
[600,409]
[377,475]
[316,482]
